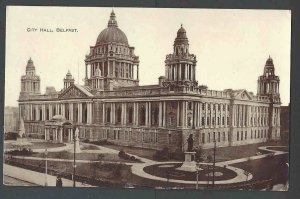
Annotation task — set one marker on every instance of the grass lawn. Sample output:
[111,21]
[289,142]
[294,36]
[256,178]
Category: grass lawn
[272,167]
[170,171]
[107,172]
[222,154]
[83,156]
[235,152]
[35,145]
[146,153]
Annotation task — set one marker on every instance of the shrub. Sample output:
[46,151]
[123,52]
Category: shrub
[177,155]
[21,152]
[162,154]
[101,142]
[199,154]
[125,156]
[86,141]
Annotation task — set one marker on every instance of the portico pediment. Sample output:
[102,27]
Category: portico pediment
[243,95]
[74,91]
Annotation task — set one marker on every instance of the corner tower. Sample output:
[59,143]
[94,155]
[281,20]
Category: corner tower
[180,67]
[68,80]
[111,63]
[268,86]
[30,82]
[268,83]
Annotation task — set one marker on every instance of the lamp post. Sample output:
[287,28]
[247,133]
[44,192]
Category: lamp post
[74,160]
[46,168]
[214,163]
[197,173]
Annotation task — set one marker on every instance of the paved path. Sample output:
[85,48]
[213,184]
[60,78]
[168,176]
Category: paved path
[138,168]
[36,177]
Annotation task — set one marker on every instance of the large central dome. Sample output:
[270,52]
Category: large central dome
[112,33]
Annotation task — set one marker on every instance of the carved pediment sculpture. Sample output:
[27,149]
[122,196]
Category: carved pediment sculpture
[73,92]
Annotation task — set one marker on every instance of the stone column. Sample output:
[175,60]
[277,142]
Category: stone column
[50,111]
[56,134]
[137,71]
[184,114]
[37,113]
[178,113]
[146,114]
[164,114]
[61,135]
[150,114]
[44,112]
[103,113]
[45,133]
[160,114]
[125,114]
[134,113]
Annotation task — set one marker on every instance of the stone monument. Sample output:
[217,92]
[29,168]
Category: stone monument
[76,140]
[189,163]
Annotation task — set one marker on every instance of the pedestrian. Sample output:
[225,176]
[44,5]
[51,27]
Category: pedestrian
[58,181]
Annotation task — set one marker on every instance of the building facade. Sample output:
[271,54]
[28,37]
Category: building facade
[111,105]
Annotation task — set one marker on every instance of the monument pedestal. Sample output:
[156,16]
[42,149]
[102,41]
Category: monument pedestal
[189,163]
[77,146]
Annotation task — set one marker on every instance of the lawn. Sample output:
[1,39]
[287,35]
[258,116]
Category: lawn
[235,152]
[222,154]
[83,156]
[272,168]
[101,174]
[146,153]
[36,145]
[170,171]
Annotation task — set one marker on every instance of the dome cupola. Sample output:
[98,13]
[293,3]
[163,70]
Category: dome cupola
[112,34]
[30,66]
[181,37]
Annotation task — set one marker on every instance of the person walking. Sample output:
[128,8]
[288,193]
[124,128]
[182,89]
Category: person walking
[58,181]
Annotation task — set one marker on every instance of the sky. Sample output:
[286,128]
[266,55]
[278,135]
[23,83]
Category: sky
[231,46]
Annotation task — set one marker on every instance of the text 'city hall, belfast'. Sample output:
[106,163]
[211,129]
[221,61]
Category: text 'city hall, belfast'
[112,106]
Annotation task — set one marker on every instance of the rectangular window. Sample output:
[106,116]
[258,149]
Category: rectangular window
[208,138]
[242,137]
[224,136]
[203,138]
[245,135]
[237,136]
[202,121]
[219,137]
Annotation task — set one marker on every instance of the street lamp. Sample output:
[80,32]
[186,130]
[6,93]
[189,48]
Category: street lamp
[214,163]
[74,160]
[46,176]
[197,173]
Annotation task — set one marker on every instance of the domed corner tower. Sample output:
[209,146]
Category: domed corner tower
[111,62]
[268,87]
[180,67]
[30,82]
[68,80]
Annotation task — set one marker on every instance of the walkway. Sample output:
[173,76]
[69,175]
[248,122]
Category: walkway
[138,168]
[36,177]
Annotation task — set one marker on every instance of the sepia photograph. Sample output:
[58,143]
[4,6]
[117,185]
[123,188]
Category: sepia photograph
[160,98]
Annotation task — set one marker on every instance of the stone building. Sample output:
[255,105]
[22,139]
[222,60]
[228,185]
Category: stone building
[111,105]
[11,119]
[285,122]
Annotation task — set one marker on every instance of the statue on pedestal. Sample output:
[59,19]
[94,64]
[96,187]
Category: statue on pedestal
[190,141]
[76,140]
